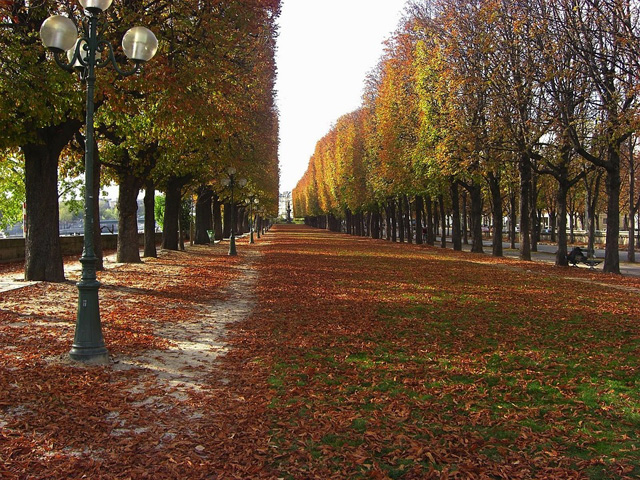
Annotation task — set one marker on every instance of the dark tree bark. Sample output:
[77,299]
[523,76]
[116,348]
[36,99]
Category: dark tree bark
[226,230]
[561,200]
[612,183]
[465,225]
[553,221]
[128,248]
[217,218]
[376,223]
[419,224]
[431,225]
[633,206]
[43,257]
[496,212]
[407,218]
[513,218]
[173,201]
[456,232]
[392,214]
[592,189]
[132,175]
[475,190]
[150,220]
[524,167]
[533,213]
[204,219]
[400,217]
[443,221]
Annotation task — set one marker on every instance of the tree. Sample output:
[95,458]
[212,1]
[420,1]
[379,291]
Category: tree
[602,35]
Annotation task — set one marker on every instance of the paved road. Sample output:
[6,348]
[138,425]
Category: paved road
[547,253]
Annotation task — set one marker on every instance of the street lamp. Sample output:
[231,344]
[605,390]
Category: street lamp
[59,34]
[251,200]
[231,182]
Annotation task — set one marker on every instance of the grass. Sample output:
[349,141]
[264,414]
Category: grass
[425,363]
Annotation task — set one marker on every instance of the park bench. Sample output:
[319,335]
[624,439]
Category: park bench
[591,262]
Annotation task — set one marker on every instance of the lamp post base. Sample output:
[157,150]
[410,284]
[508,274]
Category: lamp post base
[91,356]
[88,343]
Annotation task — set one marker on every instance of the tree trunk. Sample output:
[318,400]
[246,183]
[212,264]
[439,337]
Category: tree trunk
[561,200]
[150,220]
[533,214]
[524,167]
[375,224]
[181,229]
[592,191]
[611,254]
[513,219]
[401,226]
[443,220]
[217,218]
[43,257]
[465,225]
[456,233]
[128,248]
[204,220]
[226,225]
[419,224]
[407,217]
[476,218]
[173,200]
[392,216]
[496,213]
[431,237]
[631,252]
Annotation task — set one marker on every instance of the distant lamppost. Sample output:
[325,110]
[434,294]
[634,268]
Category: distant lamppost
[251,200]
[231,182]
[59,34]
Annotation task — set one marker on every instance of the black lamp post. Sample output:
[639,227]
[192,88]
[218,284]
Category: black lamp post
[59,34]
[251,200]
[230,182]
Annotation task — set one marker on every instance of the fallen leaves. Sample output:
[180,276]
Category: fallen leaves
[361,360]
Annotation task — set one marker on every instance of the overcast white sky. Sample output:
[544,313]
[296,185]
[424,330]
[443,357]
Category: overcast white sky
[325,50]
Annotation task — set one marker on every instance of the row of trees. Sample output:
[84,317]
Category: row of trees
[205,102]
[520,106]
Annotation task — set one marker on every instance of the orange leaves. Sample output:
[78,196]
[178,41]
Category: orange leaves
[361,359]
[395,362]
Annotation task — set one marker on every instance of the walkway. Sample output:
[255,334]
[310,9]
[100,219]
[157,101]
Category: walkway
[546,253]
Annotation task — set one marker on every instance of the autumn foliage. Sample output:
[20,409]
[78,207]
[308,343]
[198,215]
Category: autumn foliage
[474,103]
[358,359]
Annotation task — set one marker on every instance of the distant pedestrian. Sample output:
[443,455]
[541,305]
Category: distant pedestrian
[576,256]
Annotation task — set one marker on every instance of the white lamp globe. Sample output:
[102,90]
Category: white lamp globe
[139,44]
[231,170]
[58,33]
[225,182]
[96,6]
[242,182]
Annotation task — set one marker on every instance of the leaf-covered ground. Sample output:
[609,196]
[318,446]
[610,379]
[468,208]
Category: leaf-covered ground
[361,359]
